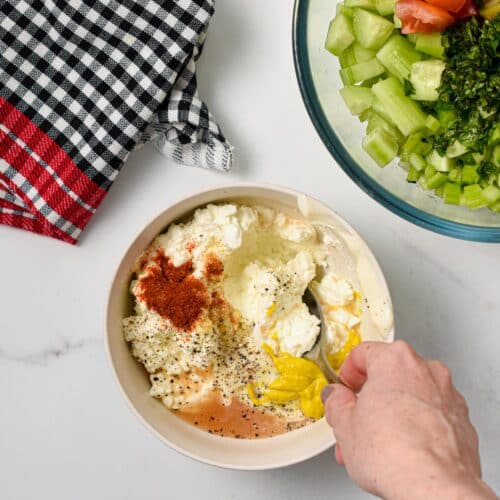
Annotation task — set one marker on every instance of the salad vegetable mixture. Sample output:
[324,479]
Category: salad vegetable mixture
[425,76]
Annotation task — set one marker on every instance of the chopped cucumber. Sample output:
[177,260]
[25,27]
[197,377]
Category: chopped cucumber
[495,135]
[363,4]
[347,57]
[452,193]
[404,112]
[340,34]
[379,68]
[429,171]
[426,78]
[341,8]
[364,115]
[490,194]
[417,143]
[417,161]
[440,163]
[495,157]
[456,149]
[429,43]
[413,174]
[371,30]
[380,146]
[473,196]
[361,54]
[379,108]
[470,174]
[446,116]
[436,180]
[439,191]
[385,7]
[357,99]
[377,121]
[432,124]
[455,175]
[361,71]
[398,55]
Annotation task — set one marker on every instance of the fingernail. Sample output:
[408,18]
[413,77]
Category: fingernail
[325,393]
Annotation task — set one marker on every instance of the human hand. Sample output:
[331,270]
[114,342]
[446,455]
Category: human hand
[402,429]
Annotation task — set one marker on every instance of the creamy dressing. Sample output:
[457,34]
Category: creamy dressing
[246,268]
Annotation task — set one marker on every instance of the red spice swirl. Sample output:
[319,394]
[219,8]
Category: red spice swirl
[173,292]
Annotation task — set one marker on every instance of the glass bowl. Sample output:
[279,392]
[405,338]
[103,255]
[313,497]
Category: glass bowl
[342,133]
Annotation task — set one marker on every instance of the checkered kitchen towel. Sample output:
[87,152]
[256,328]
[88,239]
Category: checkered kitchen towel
[83,83]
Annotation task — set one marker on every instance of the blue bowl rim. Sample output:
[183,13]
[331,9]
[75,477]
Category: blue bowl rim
[337,150]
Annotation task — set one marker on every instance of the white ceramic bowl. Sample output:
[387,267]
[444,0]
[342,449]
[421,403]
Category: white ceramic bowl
[269,453]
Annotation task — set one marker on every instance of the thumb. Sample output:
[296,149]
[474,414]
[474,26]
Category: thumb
[339,402]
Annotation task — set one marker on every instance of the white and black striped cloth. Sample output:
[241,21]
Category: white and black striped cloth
[83,83]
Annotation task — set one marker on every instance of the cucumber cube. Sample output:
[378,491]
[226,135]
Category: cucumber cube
[364,4]
[413,175]
[398,55]
[495,135]
[429,171]
[396,21]
[426,77]
[495,207]
[437,180]
[364,115]
[380,146]
[470,174]
[342,9]
[455,175]
[452,192]
[379,108]
[473,196]
[417,161]
[446,116]
[340,34]
[377,121]
[371,30]
[357,99]
[417,143]
[495,157]
[439,191]
[432,124]
[430,43]
[361,71]
[385,7]
[456,149]
[490,194]
[347,58]
[361,54]
[440,163]
[404,112]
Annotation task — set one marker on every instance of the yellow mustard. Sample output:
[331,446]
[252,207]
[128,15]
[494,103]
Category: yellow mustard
[300,380]
[336,359]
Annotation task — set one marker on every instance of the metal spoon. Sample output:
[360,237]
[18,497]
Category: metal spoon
[317,353]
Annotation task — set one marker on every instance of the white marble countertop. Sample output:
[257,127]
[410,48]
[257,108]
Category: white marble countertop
[66,433]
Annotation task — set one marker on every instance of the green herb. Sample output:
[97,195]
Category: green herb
[470,83]
[408,87]
[488,168]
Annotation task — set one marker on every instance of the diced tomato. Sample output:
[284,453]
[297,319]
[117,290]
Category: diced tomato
[449,5]
[420,17]
[468,9]
[416,26]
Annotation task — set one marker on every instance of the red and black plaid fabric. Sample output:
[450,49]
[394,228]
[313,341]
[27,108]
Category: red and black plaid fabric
[83,83]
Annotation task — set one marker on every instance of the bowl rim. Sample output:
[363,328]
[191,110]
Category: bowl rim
[108,303]
[329,138]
